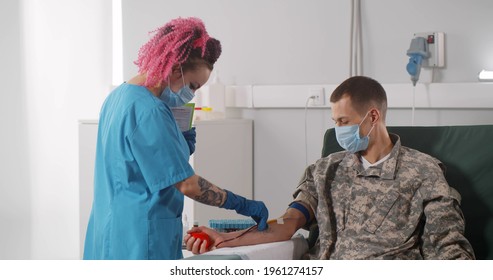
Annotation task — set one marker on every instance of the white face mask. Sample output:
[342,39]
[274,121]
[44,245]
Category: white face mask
[349,139]
[180,98]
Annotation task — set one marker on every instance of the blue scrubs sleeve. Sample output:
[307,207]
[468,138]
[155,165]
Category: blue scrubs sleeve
[160,150]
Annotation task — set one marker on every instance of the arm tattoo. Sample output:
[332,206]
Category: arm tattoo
[210,194]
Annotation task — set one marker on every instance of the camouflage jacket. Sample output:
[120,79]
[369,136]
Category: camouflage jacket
[402,208]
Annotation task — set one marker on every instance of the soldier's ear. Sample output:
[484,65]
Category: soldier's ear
[374,115]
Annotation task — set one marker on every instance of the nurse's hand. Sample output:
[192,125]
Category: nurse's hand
[190,136]
[199,246]
[253,208]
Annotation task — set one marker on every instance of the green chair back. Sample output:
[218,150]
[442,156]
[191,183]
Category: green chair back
[467,152]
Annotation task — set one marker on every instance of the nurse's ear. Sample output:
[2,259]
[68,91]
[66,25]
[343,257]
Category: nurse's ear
[174,78]
[176,71]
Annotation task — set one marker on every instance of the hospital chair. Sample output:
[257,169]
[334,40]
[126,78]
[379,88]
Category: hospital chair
[467,152]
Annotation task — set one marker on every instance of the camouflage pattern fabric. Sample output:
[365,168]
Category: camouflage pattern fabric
[402,208]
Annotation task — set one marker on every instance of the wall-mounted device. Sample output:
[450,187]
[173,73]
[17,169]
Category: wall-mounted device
[426,50]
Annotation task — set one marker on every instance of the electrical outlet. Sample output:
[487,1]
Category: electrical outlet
[319,96]
[436,48]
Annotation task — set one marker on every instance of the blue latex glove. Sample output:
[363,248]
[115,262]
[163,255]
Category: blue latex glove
[190,138]
[247,207]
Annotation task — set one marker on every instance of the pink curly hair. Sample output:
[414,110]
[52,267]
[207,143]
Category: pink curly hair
[172,44]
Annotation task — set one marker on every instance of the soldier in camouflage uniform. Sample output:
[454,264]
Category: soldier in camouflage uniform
[376,200]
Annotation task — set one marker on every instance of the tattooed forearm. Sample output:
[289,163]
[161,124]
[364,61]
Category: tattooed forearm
[210,194]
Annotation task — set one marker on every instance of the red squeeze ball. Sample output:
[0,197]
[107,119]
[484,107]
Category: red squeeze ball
[203,236]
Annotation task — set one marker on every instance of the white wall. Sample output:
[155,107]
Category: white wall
[307,42]
[56,69]
[67,75]
[389,25]
[264,42]
[15,199]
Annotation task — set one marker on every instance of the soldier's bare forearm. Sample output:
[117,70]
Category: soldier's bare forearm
[280,229]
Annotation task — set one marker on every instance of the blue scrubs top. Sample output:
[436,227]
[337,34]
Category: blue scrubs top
[140,155]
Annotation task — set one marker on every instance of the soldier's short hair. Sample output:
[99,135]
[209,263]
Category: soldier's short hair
[364,93]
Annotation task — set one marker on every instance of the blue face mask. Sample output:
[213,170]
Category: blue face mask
[180,98]
[349,139]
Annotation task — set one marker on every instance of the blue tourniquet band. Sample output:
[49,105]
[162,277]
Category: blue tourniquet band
[300,207]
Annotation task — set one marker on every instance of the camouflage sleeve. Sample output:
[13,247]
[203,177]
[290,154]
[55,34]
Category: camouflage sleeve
[443,234]
[306,193]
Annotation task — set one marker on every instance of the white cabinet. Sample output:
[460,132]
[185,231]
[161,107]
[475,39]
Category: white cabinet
[223,156]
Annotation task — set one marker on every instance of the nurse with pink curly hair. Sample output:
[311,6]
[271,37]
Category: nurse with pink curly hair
[142,171]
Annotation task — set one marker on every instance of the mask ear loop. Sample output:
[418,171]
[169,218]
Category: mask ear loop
[372,127]
[182,76]
[169,80]
[364,118]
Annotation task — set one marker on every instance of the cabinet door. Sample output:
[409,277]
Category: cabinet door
[223,156]
[88,132]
